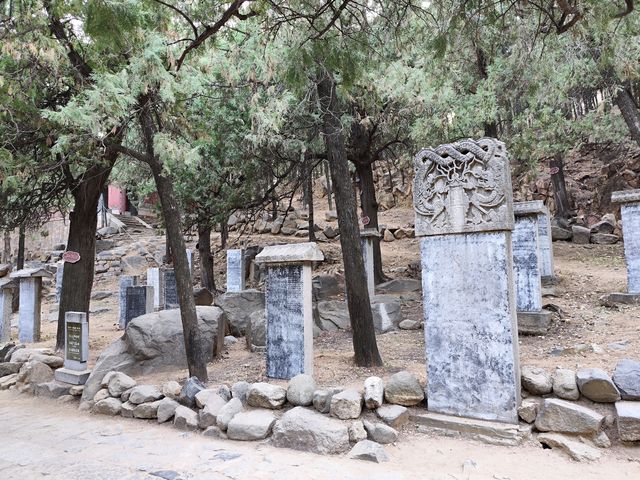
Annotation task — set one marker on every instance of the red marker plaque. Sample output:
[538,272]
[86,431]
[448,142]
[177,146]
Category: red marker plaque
[366,221]
[554,170]
[71,257]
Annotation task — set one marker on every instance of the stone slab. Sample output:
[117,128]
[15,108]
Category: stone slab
[367,258]
[625,298]
[526,263]
[631,230]
[235,270]
[625,196]
[534,323]
[6,301]
[154,279]
[139,301]
[527,208]
[30,309]
[59,275]
[290,253]
[74,377]
[30,273]
[76,339]
[628,421]
[124,282]
[170,289]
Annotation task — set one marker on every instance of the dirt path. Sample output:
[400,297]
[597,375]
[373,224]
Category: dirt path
[43,439]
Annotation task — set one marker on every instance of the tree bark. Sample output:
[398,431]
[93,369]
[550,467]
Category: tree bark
[21,237]
[224,234]
[370,209]
[77,278]
[563,210]
[309,194]
[629,109]
[206,259]
[358,302]
[6,252]
[327,177]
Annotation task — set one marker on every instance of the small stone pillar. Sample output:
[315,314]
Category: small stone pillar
[154,279]
[30,309]
[235,270]
[76,349]
[630,212]
[545,244]
[59,274]
[139,301]
[527,262]
[125,282]
[289,309]
[170,289]
[464,214]
[367,237]
[190,260]
[7,287]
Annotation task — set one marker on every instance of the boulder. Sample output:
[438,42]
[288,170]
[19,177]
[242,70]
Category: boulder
[8,381]
[628,421]
[325,286]
[144,394]
[596,385]
[147,410]
[373,392]
[202,396]
[559,233]
[108,406]
[566,417]
[166,409]
[134,264]
[191,388]
[410,325]
[333,315]
[536,380]
[387,236]
[185,419]
[604,238]
[7,368]
[171,389]
[119,383]
[51,361]
[265,395]
[331,232]
[300,390]
[626,377]
[580,235]
[7,350]
[381,433]
[214,432]
[386,313]
[393,415]
[403,388]
[127,410]
[238,307]
[322,399]
[573,447]
[101,395]
[357,432]
[564,384]
[227,412]
[346,404]
[256,335]
[370,451]
[34,372]
[203,297]
[239,390]
[604,226]
[51,389]
[306,430]
[208,416]
[152,343]
[23,355]
[253,425]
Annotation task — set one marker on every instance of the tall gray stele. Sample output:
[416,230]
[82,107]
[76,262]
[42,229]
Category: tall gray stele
[59,275]
[527,262]
[367,237]
[7,287]
[76,350]
[545,242]
[235,270]
[30,309]
[154,279]
[125,282]
[630,212]
[464,214]
[289,308]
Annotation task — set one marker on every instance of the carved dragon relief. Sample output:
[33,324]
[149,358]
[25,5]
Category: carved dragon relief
[463,187]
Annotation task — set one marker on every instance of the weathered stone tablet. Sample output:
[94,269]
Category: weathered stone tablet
[7,287]
[76,350]
[170,289]
[30,309]
[154,280]
[367,237]
[235,270]
[139,301]
[630,212]
[125,282]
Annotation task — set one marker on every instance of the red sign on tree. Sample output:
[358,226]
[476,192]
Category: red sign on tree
[71,257]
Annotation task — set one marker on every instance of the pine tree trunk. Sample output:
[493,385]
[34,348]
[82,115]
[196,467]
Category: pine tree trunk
[560,195]
[77,278]
[358,302]
[370,209]
[629,110]
[309,194]
[206,259]
[194,341]
[327,177]
[6,252]
[21,238]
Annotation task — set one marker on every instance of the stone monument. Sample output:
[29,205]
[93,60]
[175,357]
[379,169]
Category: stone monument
[630,213]
[59,275]
[190,260]
[125,282]
[235,270]
[367,237]
[76,350]
[154,279]
[464,214]
[545,243]
[527,262]
[138,301]
[289,309]
[169,289]
[7,286]
[30,309]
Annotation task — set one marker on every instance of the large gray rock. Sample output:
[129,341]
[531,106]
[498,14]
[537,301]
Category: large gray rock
[227,412]
[256,335]
[528,409]
[7,368]
[300,390]
[108,406]
[536,380]
[306,430]
[152,343]
[573,447]
[322,399]
[626,376]
[346,404]
[238,307]
[144,394]
[253,425]
[381,433]
[373,392]
[581,235]
[393,415]
[239,390]
[386,313]
[34,372]
[166,409]
[118,384]
[265,395]
[51,389]
[325,286]
[403,388]
[185,419]
[333,315]
[208,416]
[357,432]
[564,384]
[23,355]
[596,385]
[566,417]
[370,451]
[148,410]
[628,421]
[52,361]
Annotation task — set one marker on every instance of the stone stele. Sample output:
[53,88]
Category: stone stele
[630,213]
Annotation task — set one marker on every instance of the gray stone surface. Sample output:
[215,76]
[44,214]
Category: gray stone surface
[306,430]
[144,394]
[393,415]
[30,309]
[626,196]
[534,323]
[208,416]
[290,253]
[227,412]
[147,410]
[256,335]
[526,263]
[386,313]
[628,421]
[265,395]
[357,432]
[185,419]
[399,285]
[101,395]
[373,392]
[346,404]
[536,380]
[238,308]
[528,409]
[239,390]
[333,315]
[369,451]
[235,270]
[545,242]
[7,368]
[577,450]
[252,425]
[300,390]
[630,213]
[166,409]
[127,410]
[51,389]
[119,383]
[380,432]
[564,384]
[191,388]
[580,235]
[169,289]
[322,399]
[596,385]
[125,281]
[626,377]
[403,388]
[566,417]
[171,389]
[34,372]
[325,286]
[108,406]
[138,302]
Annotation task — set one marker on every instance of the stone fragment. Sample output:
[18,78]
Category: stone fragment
[559,233]
[368,450]
[566,417]
[238,307]
[252,425]
[393,415]
[227,412]
[214,432]
[125,395]
[536,380]
[576,449]
[564,384]
[373,392]
[265,395]
[51,389]
[166,409]
[256,335]
[144,394]
[108,406]
[300,390]
[357,432]
[306,430]
[51,361]
[148,410]
[119,382]
[528,410]
[409,325]
[601,440]
[239,390]
[381,433]
[76,390]
[322,399]
[189,391]
[101,395]
[604,238]
[185,419]
[127,409]
[403,388]
[596,385]
[207,417]
[346,404]
[7,368]
[171,389]
[581,235]
[626,376]
[8,381]
[387,236]
[104,383]
[628,421]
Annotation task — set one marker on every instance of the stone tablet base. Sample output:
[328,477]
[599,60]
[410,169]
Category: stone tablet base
[74,377]
[626,298]
[494,433]
[534,323]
